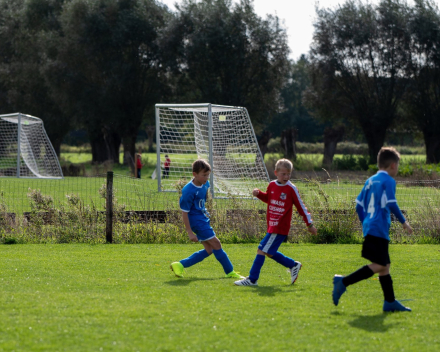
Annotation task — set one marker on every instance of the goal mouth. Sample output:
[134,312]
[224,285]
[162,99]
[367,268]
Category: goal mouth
[223,135]
[25,148]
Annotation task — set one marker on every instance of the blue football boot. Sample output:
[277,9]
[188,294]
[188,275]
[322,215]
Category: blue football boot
[338,288]
[395,306]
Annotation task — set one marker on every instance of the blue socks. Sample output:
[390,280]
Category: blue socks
[219,254]
[223,258]
[194,258]
[254,274]
[283,260]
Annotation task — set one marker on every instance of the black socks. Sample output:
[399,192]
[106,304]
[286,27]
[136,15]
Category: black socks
[363,273]
[387,287]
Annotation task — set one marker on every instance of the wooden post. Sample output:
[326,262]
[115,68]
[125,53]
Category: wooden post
[109,208]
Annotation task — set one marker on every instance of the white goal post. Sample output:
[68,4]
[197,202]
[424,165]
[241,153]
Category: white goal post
[223,135]
[25,148]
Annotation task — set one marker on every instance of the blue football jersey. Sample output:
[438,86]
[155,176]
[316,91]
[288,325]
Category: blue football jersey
[377,198]
[193,201]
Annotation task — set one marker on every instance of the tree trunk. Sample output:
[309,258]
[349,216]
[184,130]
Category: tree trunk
[288,142]
[129,144]
[151,130]
[432,144]
[332,136]
[106,146]
[263,142]
[375,136]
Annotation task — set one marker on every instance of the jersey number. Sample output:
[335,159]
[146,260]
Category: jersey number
[371,209]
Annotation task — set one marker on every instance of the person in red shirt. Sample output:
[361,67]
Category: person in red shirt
[166,167]
[139,165]
[281,196]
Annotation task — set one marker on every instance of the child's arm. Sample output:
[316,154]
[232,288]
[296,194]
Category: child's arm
[360,212]
[394,208]
[396,211]
[302,210]
[191,235]
[261,195]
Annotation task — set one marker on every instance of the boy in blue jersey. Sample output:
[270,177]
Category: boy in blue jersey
[196,220]
[374,204]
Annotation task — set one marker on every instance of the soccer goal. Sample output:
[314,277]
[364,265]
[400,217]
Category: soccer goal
[25,148]
[223,135]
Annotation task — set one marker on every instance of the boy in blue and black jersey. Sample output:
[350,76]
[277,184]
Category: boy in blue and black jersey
[197,224]
[374,205]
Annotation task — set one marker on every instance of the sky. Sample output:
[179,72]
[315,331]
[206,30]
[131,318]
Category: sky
[298,17]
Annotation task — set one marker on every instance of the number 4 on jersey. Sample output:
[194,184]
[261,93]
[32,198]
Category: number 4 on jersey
[371,209]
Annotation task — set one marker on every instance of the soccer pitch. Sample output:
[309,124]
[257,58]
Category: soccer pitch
[125,298]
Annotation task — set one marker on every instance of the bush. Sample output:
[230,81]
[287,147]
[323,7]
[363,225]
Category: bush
[351,163]
[346,148]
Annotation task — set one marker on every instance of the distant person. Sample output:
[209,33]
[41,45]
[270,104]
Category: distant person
[197,223]
[166,167]
[281,196]
[374,204]
[139,165]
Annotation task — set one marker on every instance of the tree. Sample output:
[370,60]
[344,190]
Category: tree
[29,37]
[110,69]
[359,56]
[294,113]
[225,54]
[423,98]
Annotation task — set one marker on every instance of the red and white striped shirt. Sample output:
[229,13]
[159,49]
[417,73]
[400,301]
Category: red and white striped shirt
[280,200]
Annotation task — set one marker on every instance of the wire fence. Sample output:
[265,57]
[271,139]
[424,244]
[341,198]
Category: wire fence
[129,210]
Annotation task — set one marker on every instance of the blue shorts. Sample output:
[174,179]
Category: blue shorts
[271,242]
[203,232]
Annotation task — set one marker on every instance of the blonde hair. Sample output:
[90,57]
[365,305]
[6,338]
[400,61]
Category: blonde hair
[200,165]
[387,156]
[284,163]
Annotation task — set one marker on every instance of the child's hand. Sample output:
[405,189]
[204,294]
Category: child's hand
[312,229]
[407,227]
[255,192]
[193,237]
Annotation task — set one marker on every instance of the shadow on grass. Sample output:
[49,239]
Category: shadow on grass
[187,281]
[269,291]
[373,323]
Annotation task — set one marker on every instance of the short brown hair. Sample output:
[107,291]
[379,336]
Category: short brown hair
[387,156]
[201,165]
[285,163]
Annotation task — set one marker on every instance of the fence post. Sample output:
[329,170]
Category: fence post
[109,208]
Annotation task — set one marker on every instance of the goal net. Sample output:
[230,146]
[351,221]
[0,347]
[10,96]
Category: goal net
[223,135]
[25,149]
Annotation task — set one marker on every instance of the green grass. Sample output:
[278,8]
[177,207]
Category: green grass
[124,298]
[142,194]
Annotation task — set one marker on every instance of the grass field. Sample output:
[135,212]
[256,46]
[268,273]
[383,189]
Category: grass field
[142,194]
[312,161]
[124,298]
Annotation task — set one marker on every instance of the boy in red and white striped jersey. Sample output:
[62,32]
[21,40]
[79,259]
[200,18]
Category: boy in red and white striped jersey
[281,196]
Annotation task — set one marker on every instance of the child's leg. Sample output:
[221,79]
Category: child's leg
[195,258]
[387,287]
[362,274]
[254,273]
[280,258]
[385,281]
[340,283]
[268,246]
[216,247]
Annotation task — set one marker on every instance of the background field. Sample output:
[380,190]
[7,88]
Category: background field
[124,298]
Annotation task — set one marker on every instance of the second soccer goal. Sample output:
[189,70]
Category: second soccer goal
[223,135]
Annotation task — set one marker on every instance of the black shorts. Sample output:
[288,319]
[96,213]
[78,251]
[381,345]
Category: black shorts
[375,249]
